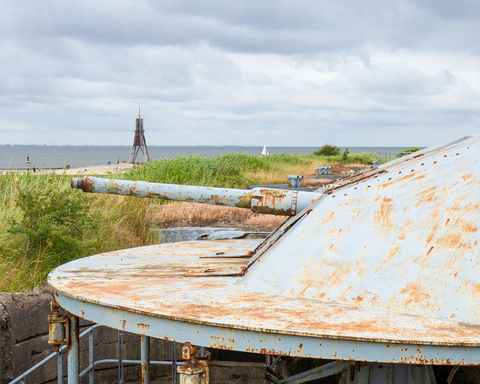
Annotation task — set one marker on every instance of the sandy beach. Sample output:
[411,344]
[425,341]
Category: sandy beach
[97,169]
[93,170]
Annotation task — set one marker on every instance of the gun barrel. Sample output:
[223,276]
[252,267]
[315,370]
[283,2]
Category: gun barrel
[260,200]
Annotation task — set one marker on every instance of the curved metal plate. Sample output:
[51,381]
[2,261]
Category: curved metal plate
[145,290]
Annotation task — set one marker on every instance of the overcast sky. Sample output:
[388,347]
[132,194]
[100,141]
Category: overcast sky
[302,73]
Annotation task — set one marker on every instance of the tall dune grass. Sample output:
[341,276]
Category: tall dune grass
[236,170]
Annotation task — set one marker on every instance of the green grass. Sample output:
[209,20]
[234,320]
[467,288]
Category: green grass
[236,170]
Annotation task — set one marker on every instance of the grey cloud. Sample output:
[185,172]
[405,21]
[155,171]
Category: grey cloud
[204,71]
[283,27]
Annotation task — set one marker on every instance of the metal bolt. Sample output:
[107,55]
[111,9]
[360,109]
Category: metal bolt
[188,351]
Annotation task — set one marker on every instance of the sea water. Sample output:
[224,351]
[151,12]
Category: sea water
[53,156]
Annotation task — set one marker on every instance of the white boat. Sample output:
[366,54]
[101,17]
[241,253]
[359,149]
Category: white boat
[264,151]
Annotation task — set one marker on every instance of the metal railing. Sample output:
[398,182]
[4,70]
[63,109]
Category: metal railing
[90,369]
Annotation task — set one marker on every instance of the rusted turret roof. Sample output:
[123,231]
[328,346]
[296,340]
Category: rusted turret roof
[383,267]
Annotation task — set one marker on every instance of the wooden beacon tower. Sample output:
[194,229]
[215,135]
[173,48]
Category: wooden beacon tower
[139,142]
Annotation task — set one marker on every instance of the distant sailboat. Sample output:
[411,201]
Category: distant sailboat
[264,151]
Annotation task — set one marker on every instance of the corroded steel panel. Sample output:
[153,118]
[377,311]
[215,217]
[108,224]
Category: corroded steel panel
[405,238]
[152,282]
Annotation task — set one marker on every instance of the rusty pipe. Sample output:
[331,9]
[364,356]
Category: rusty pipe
[260,200]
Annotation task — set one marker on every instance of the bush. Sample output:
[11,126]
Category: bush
[364,158]
[44,223]
[406,152]
[53,221]
[327,150]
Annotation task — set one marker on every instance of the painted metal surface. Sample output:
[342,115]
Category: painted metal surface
[151,281]
[266,341]
[403,237]
[73,362]
[383,267]
[145,359]
[260,200]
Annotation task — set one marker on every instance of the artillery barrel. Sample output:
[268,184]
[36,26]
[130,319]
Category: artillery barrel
[260,200]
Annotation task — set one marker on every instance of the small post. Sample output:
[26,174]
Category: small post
[91,372]
[73,355]
[145,359]
[120,357]
[295,180]
[60,367]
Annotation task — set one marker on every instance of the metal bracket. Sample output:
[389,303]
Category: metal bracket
[194,370]
[58,327]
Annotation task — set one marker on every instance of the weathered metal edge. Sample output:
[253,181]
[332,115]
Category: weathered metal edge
[214,336]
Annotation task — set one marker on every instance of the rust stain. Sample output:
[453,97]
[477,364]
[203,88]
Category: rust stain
[332,232]
[433,232]
[330,217]
[410,176]
[467,177]
[427,196]
[382,217]
[87,184]
[300,350]
[417,295]
[392,253]
[143,328]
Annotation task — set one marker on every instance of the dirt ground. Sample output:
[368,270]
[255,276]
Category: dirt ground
[204,215]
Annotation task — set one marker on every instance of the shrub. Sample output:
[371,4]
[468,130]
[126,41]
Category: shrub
[406,152]
[53,220]
[327,150]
